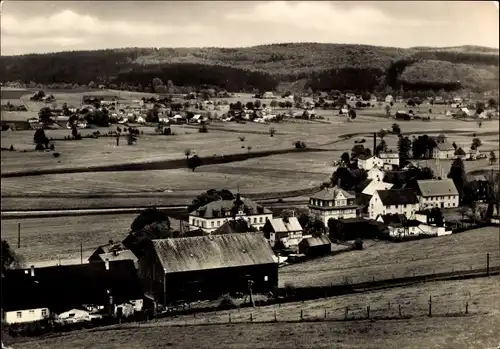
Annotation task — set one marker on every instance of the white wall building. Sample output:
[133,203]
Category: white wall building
[333,203]
[216,213]
[376,174]
[437,193]
[444,151]
[25,315]
[389,158]
[393,201]
[287,230]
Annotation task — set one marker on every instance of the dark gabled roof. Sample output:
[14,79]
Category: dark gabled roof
[212,209]
[460,151]
[330,194]
[397,197]
[437,187]
[213,252]
[236,226]
[445,146]
[393,219]
[61,288]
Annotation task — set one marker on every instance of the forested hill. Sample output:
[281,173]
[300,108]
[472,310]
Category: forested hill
[267,67]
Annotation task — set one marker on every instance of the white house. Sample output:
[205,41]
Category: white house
[74,316]
[444,151]
[287,230]
[369,162]
[393,201]
[216,213]
[437,193]
[333,203]
[25,315]
[389,99]
[376,174]
[389,157]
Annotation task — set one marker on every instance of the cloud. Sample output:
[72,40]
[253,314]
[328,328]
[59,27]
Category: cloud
[326,17]
[68,28]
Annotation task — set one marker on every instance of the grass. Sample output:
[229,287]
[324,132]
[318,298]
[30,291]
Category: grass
[385,261]
[479,331]
[45,240]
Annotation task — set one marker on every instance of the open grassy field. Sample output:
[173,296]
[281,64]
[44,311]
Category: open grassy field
[385,261]
[46,240]
[477,331]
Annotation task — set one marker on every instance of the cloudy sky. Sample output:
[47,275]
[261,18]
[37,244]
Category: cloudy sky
[49,26]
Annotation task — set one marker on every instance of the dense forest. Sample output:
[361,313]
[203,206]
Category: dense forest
[266,67]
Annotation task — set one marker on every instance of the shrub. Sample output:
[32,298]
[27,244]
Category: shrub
[272,131]
[11,148]
[56,155]
[39,147]
[52,147]
[242,138]
[300,145]
[78,136]
[203,129]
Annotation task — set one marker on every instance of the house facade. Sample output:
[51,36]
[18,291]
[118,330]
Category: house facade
[333,203]
[393,201]
[203,268]
[440,193]
[214,214]
[369,162]
[286,230]
[376,174]
[389,158]
[19,316]
[444,150]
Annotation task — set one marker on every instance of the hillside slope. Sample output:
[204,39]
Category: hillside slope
[323,66]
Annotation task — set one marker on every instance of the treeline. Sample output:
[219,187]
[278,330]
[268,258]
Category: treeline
[322,66]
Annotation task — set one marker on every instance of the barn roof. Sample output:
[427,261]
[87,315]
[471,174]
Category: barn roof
[432,187]
[445,146]
[213,252]
[376,185]
[282,225]
[237,226]
[397,197]
[119,256]
[316,241]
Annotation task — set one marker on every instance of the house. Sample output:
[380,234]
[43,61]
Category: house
[390,158]
[440,193]
[466,111]
[33,294]
[315,246]
[202,268]
[428,225]
[398,225]
[268,95]
[369,162]
[214,214]
[401,201]
[74,316]
[473,154]
[333,203]
[286,230]
[480,187]
[237,226]
[402,115]
[107,248]
[443,150]
[118,256]
[389,99]
[376,174]
[370,189]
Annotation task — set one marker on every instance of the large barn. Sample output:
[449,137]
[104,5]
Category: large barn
[204,267]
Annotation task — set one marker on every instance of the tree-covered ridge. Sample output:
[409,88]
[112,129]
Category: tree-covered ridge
[320,66]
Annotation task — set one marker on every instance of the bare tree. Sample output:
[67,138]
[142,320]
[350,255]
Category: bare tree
[187,152]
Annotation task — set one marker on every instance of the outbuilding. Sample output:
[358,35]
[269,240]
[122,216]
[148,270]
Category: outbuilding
[315,246]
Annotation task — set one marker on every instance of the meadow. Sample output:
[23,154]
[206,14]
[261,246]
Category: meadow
[454,252]
[474,331]
[45,241]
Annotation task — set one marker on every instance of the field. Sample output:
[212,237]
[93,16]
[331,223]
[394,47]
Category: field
[476,331]
[462,251]
[46,240]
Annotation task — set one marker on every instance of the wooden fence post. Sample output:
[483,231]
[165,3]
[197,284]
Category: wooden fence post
[368,312]
[275,317]
[487,264]
[399,310]
[251,317]
[301,315]
[430,306]
[325,314]
[229,317]
[467,307]
[346,314]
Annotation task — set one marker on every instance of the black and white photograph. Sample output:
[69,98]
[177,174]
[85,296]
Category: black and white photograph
[250,174]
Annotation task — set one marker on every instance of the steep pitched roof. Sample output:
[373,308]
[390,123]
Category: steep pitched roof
[316,241]
[213,252]
[445,146]
[281,225]
[329,194]
[210,210]
[432,187]
[119,256]
[393,219]
[69,286]
[237,226]
[397,197]
[376,185]
[459,151]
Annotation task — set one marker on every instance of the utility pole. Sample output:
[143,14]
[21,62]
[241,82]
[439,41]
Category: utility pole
[18,235]
[81,253]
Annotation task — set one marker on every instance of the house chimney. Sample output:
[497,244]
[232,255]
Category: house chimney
[106,263]
[374,142]
[32,271]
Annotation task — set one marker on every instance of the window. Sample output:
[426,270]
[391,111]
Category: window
[218,223]
[44,312]
[405,205]
[212,224]
[19,314]
[32,312]
[266,278]
[260,219]
[397,206]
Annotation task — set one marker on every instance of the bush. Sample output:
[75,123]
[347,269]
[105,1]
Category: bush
[39,147]
[78,136]
[11,148]
[203,129]
[52,147]
[56,155]
[300,145]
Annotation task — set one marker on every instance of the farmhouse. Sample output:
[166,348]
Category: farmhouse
[443,150]
[376,174]
[401,201]
[286,230]
[214,214]
[398,225]
[437,193]
[32,294]
[237,226]
[369,162]
[333,203]
[199,268]
[315,246]
[390,158]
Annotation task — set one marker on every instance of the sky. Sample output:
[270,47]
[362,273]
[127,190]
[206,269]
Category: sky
[51,26]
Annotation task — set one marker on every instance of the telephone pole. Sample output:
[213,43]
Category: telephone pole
[18,235]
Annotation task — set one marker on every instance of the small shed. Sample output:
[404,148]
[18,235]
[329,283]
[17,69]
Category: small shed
[315,246]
